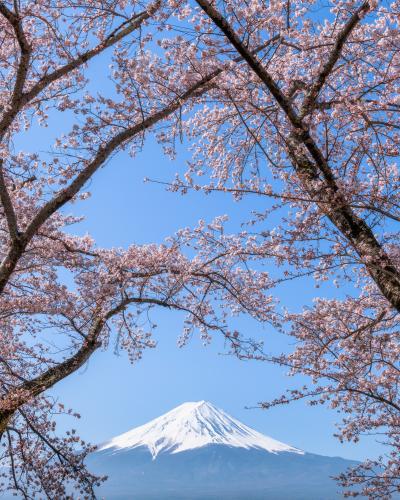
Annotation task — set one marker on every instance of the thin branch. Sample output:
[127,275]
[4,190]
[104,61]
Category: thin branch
[309,101]
[21,99]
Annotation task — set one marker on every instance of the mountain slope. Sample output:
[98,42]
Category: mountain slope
[194,425]
[198,452]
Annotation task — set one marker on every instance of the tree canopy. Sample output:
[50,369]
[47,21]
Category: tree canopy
[293,101]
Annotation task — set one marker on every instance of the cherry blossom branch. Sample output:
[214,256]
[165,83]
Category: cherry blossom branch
[327,68]
[104,152]
[356,230]
[21,99]
[34,387]
[63,458]
[25,49]
[8,207]
[251,59]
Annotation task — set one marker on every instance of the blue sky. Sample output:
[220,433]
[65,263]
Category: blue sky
[114,396]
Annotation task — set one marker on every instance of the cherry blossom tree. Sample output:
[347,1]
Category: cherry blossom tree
[62,297]
[293,101]
[305,115]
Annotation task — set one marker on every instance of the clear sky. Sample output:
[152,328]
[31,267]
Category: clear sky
[112,395]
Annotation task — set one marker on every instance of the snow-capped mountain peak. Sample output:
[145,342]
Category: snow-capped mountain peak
[194,425]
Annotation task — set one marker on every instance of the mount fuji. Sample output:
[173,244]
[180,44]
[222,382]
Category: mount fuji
[197,452]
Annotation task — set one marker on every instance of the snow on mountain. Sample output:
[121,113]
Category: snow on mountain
[194,425]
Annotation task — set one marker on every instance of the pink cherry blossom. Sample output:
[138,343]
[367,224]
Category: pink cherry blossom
[292,101]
